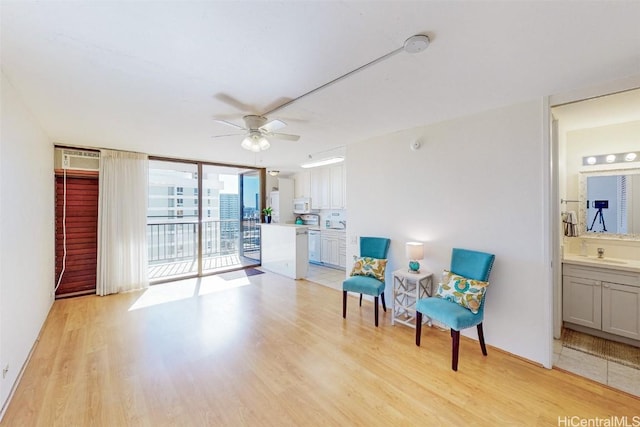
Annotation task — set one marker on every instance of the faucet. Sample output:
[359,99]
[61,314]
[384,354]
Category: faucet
[600,252]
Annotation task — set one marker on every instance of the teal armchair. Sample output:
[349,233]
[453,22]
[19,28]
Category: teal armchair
[366,282]
[471,265]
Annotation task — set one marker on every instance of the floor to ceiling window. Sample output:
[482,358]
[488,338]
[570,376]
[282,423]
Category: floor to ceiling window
[202,219]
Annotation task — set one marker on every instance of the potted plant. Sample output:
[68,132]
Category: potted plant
[267,214]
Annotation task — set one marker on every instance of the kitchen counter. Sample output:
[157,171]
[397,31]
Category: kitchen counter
[285,249]
[606,262]
[279,224]
[329,230]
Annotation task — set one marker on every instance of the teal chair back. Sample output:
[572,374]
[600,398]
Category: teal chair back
[374,247]
[471,264]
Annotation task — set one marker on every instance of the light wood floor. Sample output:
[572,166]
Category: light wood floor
[269,351]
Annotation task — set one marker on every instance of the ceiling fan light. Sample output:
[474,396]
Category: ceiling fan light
[246,143]
[263,143]
[255,147]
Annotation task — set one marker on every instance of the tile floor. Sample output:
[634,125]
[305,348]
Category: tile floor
[603,371]
[326,276]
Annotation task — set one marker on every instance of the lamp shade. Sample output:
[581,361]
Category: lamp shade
[415,250]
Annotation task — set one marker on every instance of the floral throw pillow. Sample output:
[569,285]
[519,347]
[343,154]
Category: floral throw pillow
[466,292]
[366,266]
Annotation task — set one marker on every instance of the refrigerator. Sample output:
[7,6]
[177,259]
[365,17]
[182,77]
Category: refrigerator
[281,201]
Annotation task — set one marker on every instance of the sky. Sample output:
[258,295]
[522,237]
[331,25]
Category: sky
[230,186]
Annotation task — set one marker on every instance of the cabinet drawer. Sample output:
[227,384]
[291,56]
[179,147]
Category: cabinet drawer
[602,274]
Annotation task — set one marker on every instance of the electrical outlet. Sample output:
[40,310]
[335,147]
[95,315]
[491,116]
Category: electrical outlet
[4,371]
[354,240]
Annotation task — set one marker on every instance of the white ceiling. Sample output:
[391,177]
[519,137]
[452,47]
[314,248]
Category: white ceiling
[151,76]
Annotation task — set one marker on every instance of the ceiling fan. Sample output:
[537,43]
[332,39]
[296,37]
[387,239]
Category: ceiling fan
[257,127]
[257,131]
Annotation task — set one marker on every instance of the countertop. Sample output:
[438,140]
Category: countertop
[330,230]
[614,263]
[279,224]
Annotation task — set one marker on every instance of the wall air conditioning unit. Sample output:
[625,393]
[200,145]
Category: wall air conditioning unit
[80,160]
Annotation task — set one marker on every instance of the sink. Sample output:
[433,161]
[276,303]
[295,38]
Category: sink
[605,260]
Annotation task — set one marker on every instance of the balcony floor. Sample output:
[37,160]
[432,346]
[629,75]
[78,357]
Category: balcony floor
[214,264]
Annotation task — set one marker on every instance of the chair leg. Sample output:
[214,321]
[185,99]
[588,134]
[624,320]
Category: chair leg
[418,327]
[360,300]
[375,302]
[455,342]
[384,305]
[344,304]
[481,339]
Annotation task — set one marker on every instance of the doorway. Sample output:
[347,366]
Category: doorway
[593,125]
[202,218]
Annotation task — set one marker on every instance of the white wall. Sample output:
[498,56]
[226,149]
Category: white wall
[479,183]
[617,138]
[26,233]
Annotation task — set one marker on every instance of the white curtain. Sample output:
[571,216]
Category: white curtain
[122,222]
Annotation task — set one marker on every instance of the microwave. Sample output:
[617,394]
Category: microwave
[302,206]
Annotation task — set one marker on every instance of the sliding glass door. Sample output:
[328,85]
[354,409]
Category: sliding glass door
[172,219]
[197,222]
[250,205]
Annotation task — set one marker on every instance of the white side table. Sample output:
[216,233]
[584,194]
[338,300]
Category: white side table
[407,289]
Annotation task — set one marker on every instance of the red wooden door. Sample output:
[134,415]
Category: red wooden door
[81,235]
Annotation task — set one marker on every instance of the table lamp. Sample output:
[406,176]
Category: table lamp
[415,252]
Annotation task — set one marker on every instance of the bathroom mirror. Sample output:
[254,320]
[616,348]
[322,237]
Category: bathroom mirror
[610,204]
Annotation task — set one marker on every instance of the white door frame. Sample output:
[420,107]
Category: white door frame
[554,169]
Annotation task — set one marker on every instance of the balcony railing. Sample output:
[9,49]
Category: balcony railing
[177,242]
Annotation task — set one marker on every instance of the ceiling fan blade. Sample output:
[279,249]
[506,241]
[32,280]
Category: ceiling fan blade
[272,125]
[286,136]
[224,122]
[229,134]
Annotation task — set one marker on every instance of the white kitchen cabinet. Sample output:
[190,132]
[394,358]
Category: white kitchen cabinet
[336,182]
[330,249]
[333,248]
[604,299]
[319,184]
[327,187]
[302,184]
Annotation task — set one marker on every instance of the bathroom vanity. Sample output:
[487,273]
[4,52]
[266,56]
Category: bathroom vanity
[601,292]
[601,296]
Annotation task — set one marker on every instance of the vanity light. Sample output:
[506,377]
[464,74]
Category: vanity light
[631,156]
